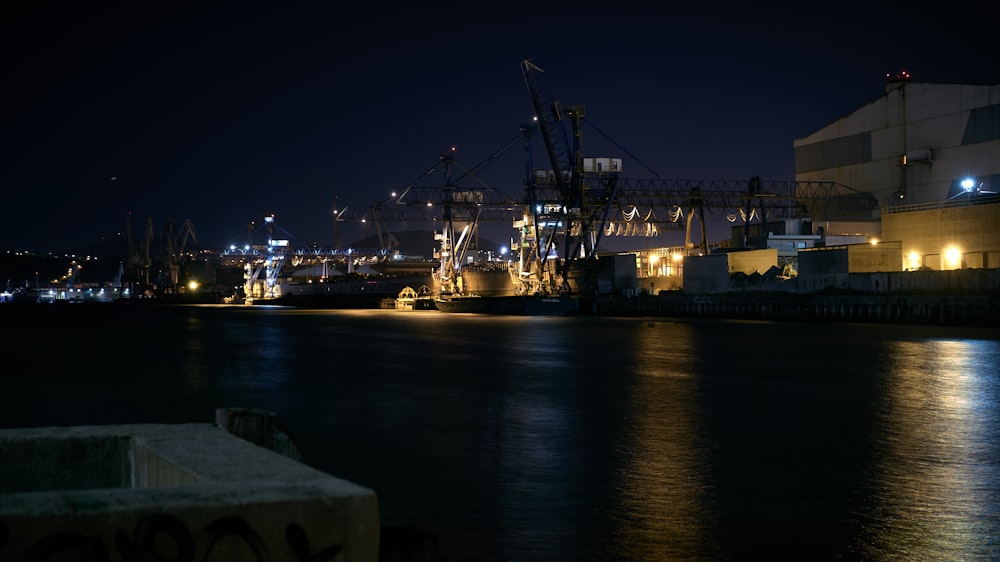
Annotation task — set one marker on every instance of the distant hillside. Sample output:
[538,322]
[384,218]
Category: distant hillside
[116,246]
[97,262]
[25,269]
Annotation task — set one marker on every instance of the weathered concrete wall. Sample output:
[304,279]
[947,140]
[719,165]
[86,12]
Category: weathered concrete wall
[712,273]
[172,492]
[852,258]
[260,427]
[655,284]
[706,274]
[956,282]
[752,261]
[870,258]
[958,310]
[973,229]
[82,463]
[618,272]
[822,261]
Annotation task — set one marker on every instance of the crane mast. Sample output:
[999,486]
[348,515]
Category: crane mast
[173,252]
[266,259]
[454,238]
[566,210]
[565,213]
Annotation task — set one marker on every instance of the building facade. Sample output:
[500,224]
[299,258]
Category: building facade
[930,154]
[918,143]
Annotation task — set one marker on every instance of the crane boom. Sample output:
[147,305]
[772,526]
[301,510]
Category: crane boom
[571,215]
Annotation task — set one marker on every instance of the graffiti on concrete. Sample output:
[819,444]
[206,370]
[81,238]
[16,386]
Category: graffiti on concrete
[299,543]
[165,538]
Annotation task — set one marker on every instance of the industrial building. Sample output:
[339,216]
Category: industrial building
[930,155]
[917,187]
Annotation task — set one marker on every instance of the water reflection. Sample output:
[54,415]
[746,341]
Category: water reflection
[660,486]
[248,357]
[937,472]
[576,439]
[535,442]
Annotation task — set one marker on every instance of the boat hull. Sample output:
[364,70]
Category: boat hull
[420,303]
[534,305]
[369,291]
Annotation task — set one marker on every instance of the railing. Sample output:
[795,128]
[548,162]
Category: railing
[963,202]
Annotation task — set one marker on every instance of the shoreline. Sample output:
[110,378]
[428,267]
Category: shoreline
[887,308]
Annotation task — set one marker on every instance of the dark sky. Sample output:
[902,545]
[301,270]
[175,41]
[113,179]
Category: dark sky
[223,113]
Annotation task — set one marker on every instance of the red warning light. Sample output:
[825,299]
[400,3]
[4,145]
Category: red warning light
[898,77]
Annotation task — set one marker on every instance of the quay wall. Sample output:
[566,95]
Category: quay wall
[957,297]
[957,282]
[959,310]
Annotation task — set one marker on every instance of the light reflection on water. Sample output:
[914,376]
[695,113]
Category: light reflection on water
[661,480]
[575,438]
[936,475]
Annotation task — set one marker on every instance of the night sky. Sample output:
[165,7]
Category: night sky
[224,114]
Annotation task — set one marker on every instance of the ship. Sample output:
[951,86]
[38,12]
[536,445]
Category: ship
[279,274]
[356,291]
[530,285]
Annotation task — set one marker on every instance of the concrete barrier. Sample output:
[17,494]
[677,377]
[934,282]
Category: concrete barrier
[172,492]
[260,427]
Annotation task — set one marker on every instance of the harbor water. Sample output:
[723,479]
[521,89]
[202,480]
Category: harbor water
[570,438]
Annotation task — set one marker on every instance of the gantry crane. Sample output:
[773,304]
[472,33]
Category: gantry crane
[457,207]
[267,258]
[573,205]
[136,270]
[174,244]
[564,212]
